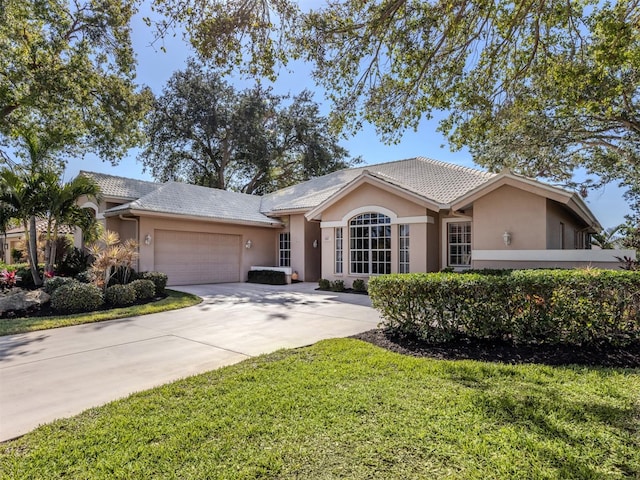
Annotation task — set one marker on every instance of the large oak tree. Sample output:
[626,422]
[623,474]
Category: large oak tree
[542,86]
[203,131]
[67,75]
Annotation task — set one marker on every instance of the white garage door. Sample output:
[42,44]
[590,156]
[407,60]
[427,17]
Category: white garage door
[192,257]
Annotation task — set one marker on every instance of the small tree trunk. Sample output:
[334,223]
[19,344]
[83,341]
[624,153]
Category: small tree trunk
[33,252]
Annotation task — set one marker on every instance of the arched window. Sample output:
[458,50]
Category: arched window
[370,244]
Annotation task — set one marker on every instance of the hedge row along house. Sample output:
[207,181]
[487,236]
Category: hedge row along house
[414,215]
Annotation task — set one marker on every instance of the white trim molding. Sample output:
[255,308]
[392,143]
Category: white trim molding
[552,255]
[93,206]
[395,220]
[444,236]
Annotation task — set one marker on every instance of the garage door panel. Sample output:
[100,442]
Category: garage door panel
[197,257]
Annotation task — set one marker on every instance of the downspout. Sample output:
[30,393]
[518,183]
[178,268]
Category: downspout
[134,219]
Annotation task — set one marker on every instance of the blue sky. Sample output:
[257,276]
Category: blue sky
[155,67]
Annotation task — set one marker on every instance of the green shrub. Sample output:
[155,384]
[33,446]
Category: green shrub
[52,284]
[359,285]
[159,279]
[144,289]
[26,279]
[75,297]
[85,277]
[73,262]
[324,284]
[120,295]
[337,286]
[526,306]
[269,277]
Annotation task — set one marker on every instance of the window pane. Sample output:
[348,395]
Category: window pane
[459,244]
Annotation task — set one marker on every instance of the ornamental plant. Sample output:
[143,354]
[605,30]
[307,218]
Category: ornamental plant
[111,256]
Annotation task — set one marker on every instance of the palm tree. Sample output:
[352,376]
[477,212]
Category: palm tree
[609,238]
[62,209]
[20,194]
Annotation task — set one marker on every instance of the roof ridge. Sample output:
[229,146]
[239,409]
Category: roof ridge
[455,166]
[121,177]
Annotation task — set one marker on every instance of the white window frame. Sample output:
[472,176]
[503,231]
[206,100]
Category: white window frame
[370,252]
[339,251]
[445,242]
[284,249]
[403,248]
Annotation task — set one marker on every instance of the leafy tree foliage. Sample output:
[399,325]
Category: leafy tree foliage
[541,86]
[204,132]
[67,73]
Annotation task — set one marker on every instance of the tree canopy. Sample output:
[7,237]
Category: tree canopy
[67,72]
[202,131]
[541,86]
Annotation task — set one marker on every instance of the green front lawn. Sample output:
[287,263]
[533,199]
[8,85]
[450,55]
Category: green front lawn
[174,300]
[347,409]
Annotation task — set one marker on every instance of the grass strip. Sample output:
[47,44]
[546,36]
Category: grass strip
[346,409]
[173,301]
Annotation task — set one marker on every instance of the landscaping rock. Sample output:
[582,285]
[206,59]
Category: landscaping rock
[17,300]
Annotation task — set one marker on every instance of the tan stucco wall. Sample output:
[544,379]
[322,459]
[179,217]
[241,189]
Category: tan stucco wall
[423,237]
[261,253]
[557,215]
[312,260]
[370,195]
[433,243]
[520,213]
[480,264]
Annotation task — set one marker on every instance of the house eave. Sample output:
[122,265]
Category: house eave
[200,218]
[367,177]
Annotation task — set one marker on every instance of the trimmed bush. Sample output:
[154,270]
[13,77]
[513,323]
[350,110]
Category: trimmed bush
[269,277]
[144,289]
[337,286]
[159,279]
[359,285]
[324,284]
[120,295]
[527,306]
[75,297]
[52,284]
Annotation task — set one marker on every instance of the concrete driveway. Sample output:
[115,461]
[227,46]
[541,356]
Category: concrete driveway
[58,373]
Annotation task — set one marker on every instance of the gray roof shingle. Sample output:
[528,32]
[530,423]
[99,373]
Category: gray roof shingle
[437,181]
[192,200]
[121,187]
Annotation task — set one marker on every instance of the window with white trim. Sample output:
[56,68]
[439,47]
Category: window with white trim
[459,244]
[284,250]
[403,248]
[339,250]
[370,244]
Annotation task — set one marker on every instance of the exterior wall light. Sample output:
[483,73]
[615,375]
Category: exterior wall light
[506,236]
[315,244]
[248,245]
[147,239]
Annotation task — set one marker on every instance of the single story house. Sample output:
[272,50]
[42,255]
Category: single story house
[414,215]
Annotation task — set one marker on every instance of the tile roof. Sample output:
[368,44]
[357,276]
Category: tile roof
[121,187]
[192,200]
[437,181]
[41,227]
[434,180]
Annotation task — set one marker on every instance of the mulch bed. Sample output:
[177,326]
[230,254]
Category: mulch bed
[491,351]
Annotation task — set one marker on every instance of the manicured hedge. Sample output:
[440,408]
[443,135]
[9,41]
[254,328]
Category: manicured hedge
[525,306]
[74,297]
[270,277]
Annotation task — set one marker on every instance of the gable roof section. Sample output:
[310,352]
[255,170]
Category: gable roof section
[435,181]
[367,177]
[121,187]
[187,200]
[570,199]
